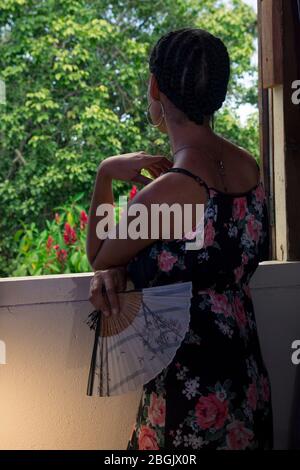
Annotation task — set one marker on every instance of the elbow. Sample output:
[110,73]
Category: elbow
[94,262]
[91,259]
[91,255]
[97,264]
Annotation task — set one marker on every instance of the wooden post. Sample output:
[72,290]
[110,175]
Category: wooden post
[279,32]
[291,73]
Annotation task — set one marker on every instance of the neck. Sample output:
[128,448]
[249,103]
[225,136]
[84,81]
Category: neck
[198,139]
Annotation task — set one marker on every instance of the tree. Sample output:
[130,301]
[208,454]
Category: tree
[76,74]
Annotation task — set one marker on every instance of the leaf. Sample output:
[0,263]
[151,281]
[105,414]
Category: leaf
[18,234]
[70,218]
[78,197]
[74,258]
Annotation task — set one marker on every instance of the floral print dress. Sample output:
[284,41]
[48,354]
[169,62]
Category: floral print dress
[215,394]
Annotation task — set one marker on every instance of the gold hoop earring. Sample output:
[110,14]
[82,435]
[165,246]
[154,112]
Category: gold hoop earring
[162,117]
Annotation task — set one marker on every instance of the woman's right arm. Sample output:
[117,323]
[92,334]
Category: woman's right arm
[126,167]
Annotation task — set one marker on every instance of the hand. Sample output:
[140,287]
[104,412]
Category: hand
[113,280]
[127,167]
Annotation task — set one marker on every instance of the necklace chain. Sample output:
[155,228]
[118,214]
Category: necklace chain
[219,162]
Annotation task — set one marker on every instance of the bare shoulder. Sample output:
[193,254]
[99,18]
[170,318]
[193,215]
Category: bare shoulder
[171,193]
[172,188]
[249,158]
[243,161]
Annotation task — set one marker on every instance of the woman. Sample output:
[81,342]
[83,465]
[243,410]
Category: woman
[215,394]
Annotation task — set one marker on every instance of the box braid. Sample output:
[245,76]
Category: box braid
[192,68]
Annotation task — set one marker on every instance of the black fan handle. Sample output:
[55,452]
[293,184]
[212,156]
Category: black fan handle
[90,385]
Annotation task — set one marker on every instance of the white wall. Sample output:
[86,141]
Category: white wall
[43,402]
[276,296]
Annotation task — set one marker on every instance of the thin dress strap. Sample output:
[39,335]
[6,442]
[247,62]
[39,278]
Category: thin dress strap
[189,173]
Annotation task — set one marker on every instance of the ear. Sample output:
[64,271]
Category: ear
[153,87]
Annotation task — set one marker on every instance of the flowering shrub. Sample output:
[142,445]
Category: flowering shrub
[61,246]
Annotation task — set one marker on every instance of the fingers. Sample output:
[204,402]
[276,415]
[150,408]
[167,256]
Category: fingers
[97,296]
[104,289]
[141,179]
[112,295]
[154,171]
[158,159]
[157,165]
[157,169]
[165,163]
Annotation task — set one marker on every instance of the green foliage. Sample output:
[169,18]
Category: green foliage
[76,74]
[58,248]
[61,246]
[247,136]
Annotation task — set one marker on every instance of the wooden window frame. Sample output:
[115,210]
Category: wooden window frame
[279,67]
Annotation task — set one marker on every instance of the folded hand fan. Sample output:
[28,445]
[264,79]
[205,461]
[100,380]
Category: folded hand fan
[131,348]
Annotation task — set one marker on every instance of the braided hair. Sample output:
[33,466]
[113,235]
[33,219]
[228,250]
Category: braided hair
[192,68]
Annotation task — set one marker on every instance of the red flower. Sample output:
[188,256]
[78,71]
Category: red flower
[211,412]
[239,208]
[57,218]
[265,388]
[252,396]
[147,439]
[69,234]
[239,312]
[132,192]
[61,255]
[83,219]
[209,234]
[157,410]
[49,243]
[239,437]
[166,260]
[253,228]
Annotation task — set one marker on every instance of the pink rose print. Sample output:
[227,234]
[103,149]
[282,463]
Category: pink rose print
[238,437]
[147,439]
[245,258]
[252,396]
[211,412]
[239,208]
[265,388]
[247,290]
[209,234]
[259,193]
[238,272]
[220,303]
[253,228]
[157,410]
[239,312]
[166,260]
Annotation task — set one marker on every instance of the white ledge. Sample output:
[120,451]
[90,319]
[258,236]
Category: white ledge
[31,290]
